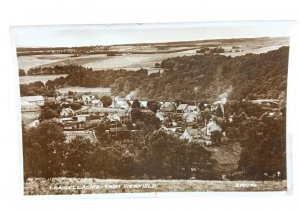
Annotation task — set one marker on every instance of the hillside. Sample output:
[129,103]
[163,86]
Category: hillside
[207,76]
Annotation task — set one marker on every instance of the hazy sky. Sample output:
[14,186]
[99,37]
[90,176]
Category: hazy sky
[83,35]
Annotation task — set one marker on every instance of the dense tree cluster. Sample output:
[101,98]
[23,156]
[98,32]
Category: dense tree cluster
[65,69]
[211,50]
[263,143]
[36,88]
[158,155]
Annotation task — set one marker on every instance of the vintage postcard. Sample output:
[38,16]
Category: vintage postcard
[186,107]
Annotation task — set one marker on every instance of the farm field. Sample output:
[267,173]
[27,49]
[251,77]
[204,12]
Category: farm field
[27,62]
[97,90]
[41,186]
[134,57]
[42,78]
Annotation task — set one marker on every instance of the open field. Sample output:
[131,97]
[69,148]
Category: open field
[40,186]
[97,90]
[28,117]
[138,56]
[27,62]
[42,78]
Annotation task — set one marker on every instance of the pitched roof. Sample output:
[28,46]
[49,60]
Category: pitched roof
[192,108]
[96,101]
[167,104]
[182,107]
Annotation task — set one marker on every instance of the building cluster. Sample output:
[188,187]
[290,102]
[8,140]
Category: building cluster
[184,120]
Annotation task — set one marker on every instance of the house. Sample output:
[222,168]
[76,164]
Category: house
[190,134]
[97,103]
[36,100]
[121,104]
[143,104]
[74,125]
[193,108]
[29,107]
[160,115]
[195,135]
[190,117]
[82,117]
[210,127]
[171,130]
[87,99]
[70,100]
[168,107]
[66,112]
[182,108]
[113,117]
[59,98]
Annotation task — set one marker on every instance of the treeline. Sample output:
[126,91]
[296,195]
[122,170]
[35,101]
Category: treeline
[65,69]
[211,50]
[36,88]
[156,156]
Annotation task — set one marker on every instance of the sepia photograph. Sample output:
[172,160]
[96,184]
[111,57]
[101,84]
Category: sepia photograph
[139,108]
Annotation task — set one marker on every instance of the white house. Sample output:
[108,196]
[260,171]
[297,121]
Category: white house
[190,117]
[190,134]
[182,108]
[67,112]
[160,116]
[143,104]
[168,107]
[87,99]
[192,108]
[82,117]
[97,103]
[195,135]
[121,104]
[114,117]
[36,100]
[210,127]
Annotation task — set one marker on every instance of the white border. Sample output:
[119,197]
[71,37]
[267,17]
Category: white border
[51,12]
[150,26]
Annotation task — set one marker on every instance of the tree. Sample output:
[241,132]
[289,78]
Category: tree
[78,156]
[136,114]
[216,137]
[101,134]
[22,72]
[263,147]
[106,100]
[153,105]
[50,84]
[49,111]
[47,142]
[136,104]
[76,105]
